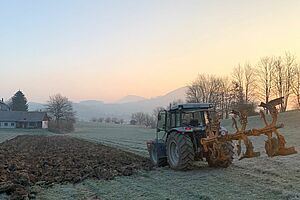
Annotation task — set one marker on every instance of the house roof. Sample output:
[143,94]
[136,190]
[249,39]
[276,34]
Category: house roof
[21,116]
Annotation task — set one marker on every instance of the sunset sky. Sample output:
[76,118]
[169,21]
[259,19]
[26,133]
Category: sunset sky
[105,50]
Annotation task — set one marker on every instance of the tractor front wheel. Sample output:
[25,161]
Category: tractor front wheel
[180,151]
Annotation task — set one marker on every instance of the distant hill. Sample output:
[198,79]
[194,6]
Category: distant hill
[32,106]
[91,102]
[130,98]
[123,108]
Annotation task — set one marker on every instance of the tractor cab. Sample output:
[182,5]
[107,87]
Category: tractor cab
[185,118]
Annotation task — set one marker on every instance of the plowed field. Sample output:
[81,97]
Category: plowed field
[44,160]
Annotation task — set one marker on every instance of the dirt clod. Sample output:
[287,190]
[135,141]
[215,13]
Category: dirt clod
[43,160]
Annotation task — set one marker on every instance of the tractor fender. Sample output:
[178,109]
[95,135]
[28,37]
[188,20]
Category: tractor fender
[180,130]
[159,145]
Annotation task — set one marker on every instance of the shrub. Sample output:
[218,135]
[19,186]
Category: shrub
[63,126]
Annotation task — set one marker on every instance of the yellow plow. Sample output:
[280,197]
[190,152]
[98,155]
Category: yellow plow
[275,145]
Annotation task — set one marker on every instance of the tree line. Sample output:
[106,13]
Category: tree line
[145,119]
[114,120]
[270,77]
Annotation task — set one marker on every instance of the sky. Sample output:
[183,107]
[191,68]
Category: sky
[105,50]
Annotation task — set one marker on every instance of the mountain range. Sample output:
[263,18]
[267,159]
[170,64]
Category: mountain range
[123,108]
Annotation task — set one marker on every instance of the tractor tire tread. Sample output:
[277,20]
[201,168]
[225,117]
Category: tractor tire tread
[187,153]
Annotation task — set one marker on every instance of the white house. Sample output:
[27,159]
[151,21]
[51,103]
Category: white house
[21,119]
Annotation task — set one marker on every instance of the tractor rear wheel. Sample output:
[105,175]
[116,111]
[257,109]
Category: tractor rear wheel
[226,150]
[180,151]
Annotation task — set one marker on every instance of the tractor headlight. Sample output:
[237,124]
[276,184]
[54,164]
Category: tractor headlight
[223,131]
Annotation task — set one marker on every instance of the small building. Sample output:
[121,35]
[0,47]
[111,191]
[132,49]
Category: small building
[21,119]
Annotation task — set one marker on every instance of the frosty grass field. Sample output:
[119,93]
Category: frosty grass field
[256,178]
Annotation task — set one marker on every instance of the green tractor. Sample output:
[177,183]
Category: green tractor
[179,136]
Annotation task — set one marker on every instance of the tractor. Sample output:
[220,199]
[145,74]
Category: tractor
[192,132]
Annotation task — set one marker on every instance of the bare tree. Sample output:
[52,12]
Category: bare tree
[278,77]
[229,96]
[265,78]
[249,85]
[139,117]
[244,78]
[283,78]
[210,89]
[149,121]
[238,77]
[290,64]
[238,84]
[143,119]
[61,109]
[296,85]
[206,88]
[195,92]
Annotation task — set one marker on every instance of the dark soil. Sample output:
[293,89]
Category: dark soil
[43,160]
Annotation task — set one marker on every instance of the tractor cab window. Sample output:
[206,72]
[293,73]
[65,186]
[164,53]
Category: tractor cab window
[194,118]
[186,118]
[177,119]
[173,120]
[161,122]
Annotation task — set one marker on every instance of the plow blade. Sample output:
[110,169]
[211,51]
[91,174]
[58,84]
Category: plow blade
[276,147]
[250,153]
[287,151]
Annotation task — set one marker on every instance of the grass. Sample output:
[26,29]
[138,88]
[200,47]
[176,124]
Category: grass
[256,178]
[127,137]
